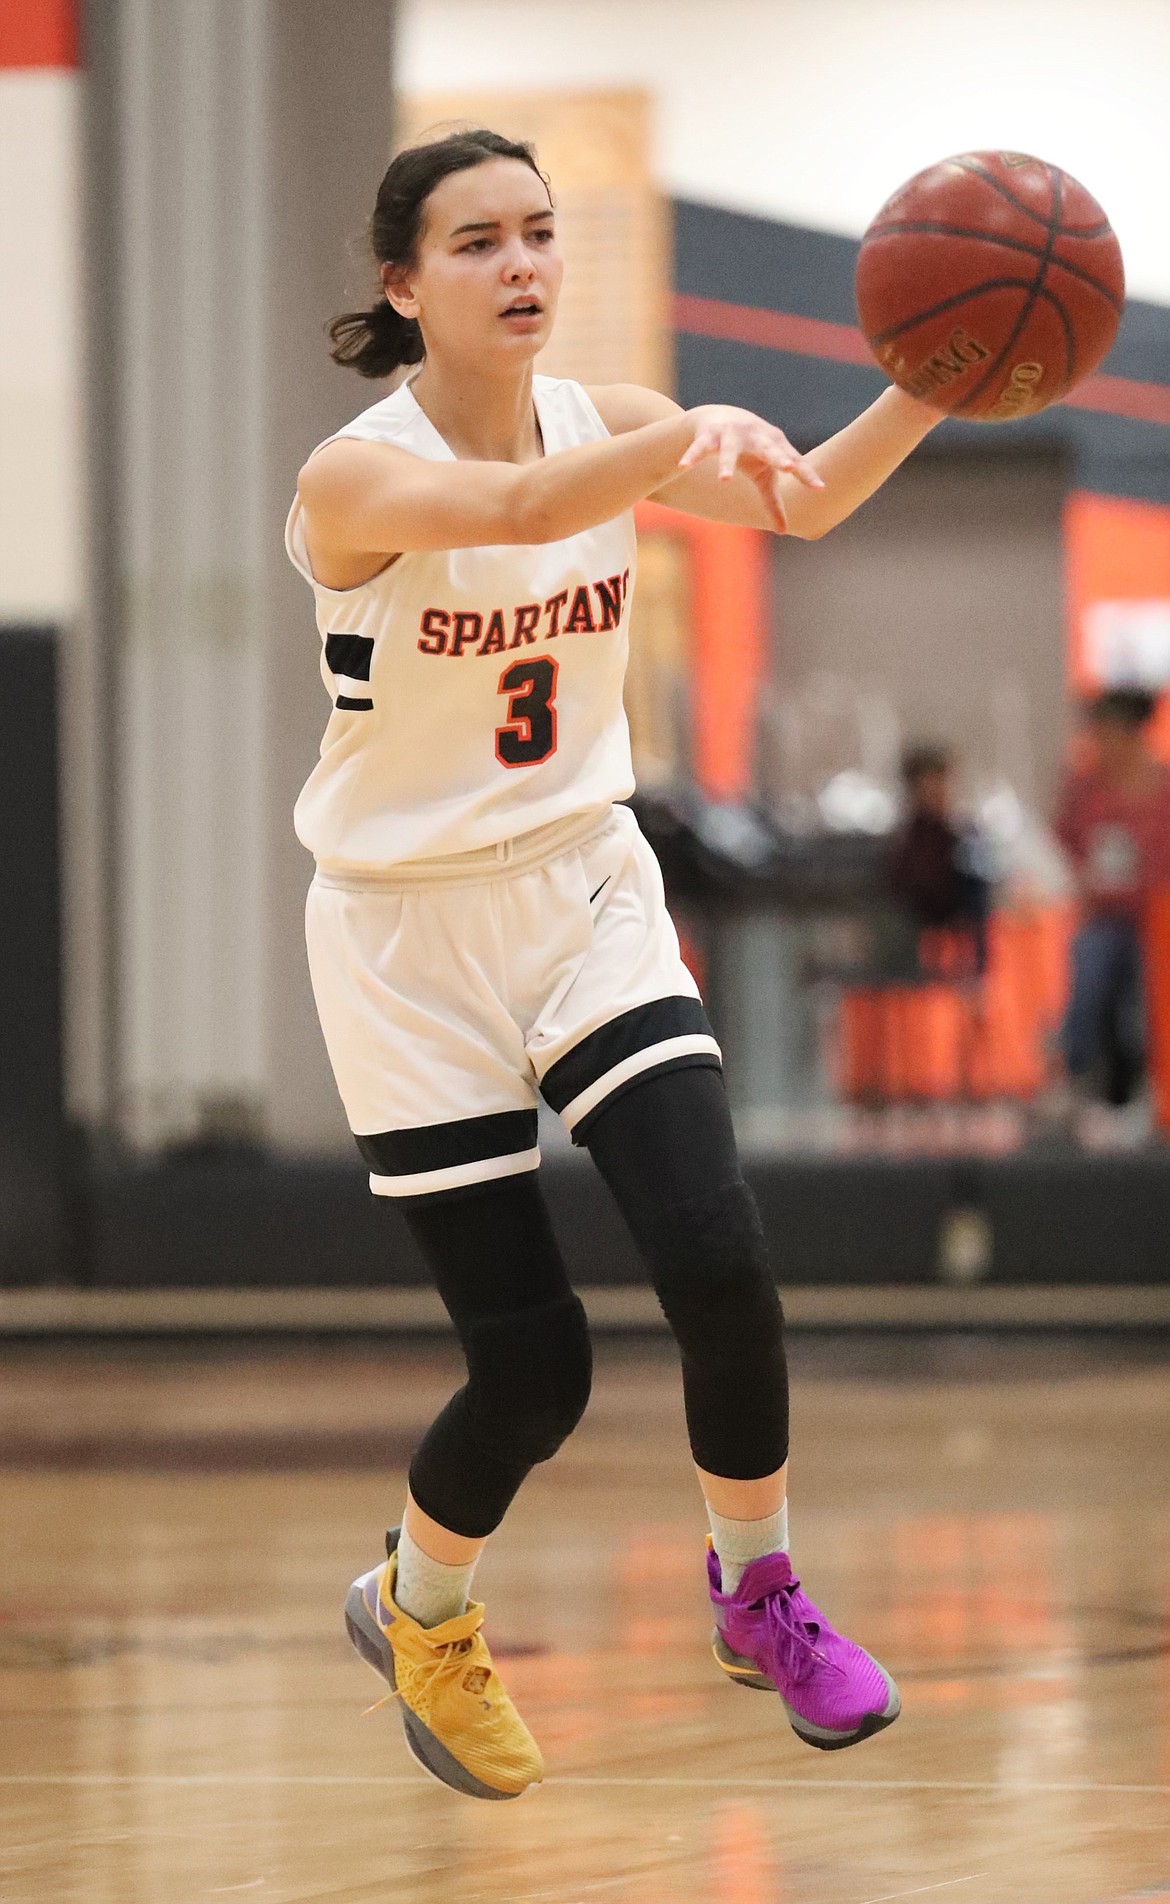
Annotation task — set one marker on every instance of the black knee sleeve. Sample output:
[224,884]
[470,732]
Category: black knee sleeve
[711,1272]
[528,1380]
[713,1279]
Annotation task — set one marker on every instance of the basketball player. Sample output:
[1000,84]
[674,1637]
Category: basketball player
[486,924]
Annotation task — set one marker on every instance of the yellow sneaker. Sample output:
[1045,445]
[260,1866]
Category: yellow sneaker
[459,1722]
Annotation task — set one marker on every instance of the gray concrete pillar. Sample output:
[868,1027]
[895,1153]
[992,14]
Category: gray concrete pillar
[241,142]
[331,142]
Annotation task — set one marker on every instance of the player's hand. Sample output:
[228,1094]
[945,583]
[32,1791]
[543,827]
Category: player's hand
[742,441]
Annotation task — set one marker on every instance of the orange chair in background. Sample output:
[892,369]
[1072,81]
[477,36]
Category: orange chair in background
[954,1035]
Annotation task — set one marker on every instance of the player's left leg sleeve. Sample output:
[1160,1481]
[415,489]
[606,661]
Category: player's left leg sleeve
[667,1151]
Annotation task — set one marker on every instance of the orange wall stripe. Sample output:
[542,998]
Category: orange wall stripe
[1115,550]
[771,330]
[1118,550]
[730,581]
[729,656]
[1123,396]
[38,33]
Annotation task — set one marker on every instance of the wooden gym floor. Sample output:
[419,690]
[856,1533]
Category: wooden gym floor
[181,1718]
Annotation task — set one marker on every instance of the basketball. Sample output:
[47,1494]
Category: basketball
[989,285]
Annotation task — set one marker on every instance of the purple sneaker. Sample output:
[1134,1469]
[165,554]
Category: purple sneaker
[769,1635]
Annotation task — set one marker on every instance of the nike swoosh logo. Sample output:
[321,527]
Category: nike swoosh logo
[601,888]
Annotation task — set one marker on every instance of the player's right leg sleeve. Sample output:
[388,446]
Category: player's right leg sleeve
[667,1151]
[523,1331]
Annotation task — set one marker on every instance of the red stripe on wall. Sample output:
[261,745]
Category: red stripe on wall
[1124,396]
[771,330]
[38,33]
[843,343]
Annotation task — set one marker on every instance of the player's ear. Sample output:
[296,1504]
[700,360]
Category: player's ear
[398,288]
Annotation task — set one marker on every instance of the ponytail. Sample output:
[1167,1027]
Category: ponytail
[376,342]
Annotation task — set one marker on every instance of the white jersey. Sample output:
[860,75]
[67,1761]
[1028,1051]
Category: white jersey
[477,693]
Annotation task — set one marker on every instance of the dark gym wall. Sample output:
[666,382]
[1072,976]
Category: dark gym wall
[769,266]
[31,1108]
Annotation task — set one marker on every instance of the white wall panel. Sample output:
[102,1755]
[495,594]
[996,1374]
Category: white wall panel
[239,145]
[813,110]
[192,689]
[40,313]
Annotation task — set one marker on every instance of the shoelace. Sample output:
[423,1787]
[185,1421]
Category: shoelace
[444,1655]
[789,1635]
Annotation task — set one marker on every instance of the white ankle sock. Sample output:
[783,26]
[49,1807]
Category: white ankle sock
[738,1543]
[426,1589]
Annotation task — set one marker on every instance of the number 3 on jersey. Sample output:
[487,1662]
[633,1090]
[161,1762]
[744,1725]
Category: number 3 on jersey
[530,733]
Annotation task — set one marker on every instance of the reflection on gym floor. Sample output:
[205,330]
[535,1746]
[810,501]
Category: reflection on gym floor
[182,1718]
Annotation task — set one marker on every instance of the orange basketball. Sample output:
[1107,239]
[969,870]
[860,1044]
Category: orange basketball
[989,285]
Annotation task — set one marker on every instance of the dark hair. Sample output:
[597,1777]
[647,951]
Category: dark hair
[379,341]
[924,757]
[1122,707]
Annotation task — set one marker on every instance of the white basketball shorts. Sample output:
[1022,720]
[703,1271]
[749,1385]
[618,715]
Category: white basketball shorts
[449,996]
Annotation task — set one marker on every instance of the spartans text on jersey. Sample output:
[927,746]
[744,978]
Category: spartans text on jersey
[467,631]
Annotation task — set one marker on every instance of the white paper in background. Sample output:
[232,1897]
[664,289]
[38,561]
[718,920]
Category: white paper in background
[1127,644]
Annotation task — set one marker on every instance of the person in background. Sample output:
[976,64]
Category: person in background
[1113,820]
[933,867]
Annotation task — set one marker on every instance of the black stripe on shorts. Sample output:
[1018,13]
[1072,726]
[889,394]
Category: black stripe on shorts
[466,1140]
[638,1029]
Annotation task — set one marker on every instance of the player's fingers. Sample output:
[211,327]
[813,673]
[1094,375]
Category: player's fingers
[770,447]
[730,446]
[703,443]
[779,452]
[800,466]
[775,501]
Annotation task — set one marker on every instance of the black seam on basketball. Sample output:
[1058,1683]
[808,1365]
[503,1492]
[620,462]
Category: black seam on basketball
[1086,277]
[1102,229]
[931,228]
[949,304]
[1070,336]
[1005,191]
[996,364]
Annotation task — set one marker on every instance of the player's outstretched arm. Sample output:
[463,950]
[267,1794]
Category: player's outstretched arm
[373,500]
[850,465]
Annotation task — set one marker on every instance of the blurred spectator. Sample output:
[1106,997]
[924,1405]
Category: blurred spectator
[1114,821]
[934,863]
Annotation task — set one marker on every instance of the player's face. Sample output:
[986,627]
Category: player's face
[488,273]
